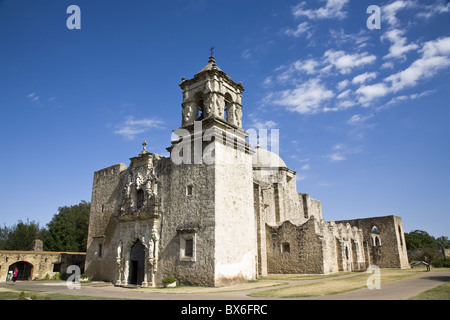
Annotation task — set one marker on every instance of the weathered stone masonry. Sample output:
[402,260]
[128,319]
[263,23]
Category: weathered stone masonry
[217,211]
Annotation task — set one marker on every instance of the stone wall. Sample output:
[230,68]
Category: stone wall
[206,208]
[279,199]
[387,249]
[40,263]
[107,191]
[235,229]
[316,246]
[343,247]
[187,212]
[294,249]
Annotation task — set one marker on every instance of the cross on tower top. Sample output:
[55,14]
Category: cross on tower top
[211,50]
[144,147]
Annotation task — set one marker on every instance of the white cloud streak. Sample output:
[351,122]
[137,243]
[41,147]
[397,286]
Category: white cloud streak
[306,98]
[345,62]
[435,56]
[333,9]
[399,48]
[131,127]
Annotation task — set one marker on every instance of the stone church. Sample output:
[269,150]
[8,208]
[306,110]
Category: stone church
[220,211]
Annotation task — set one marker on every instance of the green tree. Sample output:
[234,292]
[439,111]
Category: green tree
[443,243]
[419,239]
[4,237]
[68,229]
[21,235]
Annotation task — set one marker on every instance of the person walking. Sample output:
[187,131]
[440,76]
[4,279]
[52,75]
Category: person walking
[16,272]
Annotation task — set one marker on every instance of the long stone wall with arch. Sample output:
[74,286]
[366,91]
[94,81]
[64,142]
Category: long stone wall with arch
[34,265]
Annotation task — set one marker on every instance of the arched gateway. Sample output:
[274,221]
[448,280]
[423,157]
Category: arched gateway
[25,270]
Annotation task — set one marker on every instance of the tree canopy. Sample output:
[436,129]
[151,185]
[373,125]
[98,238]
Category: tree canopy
[21,235]
[421,239]
[67,231]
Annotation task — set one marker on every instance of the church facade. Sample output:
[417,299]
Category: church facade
[217,211]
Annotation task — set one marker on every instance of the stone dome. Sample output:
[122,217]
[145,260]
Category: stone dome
[263,158]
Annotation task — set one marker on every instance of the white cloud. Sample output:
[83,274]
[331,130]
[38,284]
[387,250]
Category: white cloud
[302,28]
[357,119]
[435,56]
[309,66]
[306,98]
[398,47]
[345,62]
[130,128]
[387,65]
[333,9]
[389,12]
[246,54]
[305,167]
[428,11]
[344,94]
[33,97]
[403,98]
[368,93]
[358,40]
[340,152]
[433,48]
[336,157]
[289,72]
[344,104]
[362,78]
[342,84]
[258,123]
[267,81]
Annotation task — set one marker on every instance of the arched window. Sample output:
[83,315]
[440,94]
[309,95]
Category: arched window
[200,105]
[227,108]
[375,230]
[377,241]
[140,198]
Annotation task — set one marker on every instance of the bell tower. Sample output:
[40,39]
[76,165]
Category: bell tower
[214,162]
[212,94]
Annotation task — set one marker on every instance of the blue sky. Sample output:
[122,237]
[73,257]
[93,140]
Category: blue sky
[363,115]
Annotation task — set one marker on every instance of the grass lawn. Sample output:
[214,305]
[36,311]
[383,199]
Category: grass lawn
[10,294]
[441,292]
[335,286]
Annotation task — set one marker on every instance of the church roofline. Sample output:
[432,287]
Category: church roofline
[210,69]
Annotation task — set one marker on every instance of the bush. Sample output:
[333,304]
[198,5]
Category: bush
[64,276]
[441,263]
[168,280]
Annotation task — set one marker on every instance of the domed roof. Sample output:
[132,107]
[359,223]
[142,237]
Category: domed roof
[263,158]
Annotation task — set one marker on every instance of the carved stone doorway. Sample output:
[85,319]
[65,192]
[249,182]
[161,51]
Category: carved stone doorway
[137,263]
